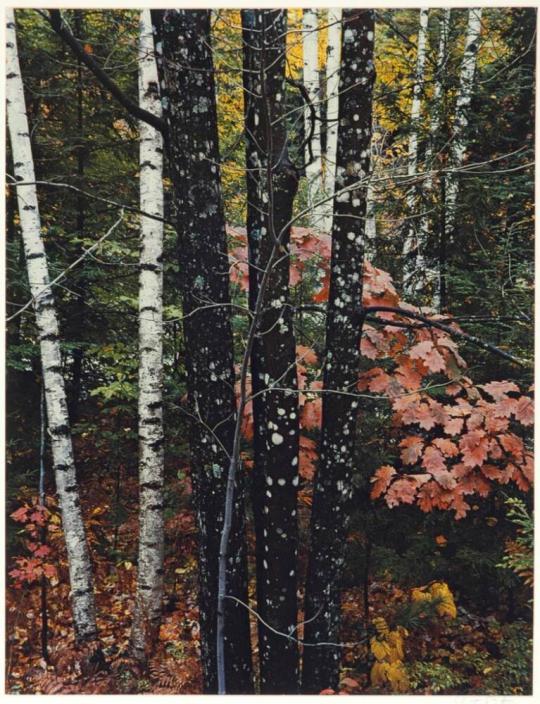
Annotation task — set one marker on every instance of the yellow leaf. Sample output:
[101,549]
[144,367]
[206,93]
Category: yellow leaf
[395,640]
[380,649]
[418,594]
[397,677]
[378,673]
[447,606]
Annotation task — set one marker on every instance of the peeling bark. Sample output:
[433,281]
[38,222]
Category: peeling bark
[80,568]
[188,92]
[272,186]
[333,483]
[147,615]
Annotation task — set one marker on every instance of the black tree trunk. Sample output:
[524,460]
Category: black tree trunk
[272,183]
[189,101]
[333,484]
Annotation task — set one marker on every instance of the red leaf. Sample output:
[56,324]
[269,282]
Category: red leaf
[310,415]
[474,446]
[403,491]
[381,480]
[430,355]
[447,447]
[412,449]
[21,514]
[306,354]
[498,390]
[524,411]
[512,444]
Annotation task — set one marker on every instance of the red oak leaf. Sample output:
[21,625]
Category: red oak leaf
[381,480]
[474,446]
[412,449]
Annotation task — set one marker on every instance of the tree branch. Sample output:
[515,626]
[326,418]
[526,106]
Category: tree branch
[57,23]
[446,328]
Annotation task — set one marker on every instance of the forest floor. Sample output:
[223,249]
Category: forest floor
[473,654]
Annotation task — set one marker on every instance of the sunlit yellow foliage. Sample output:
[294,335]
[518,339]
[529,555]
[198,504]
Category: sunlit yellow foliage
[447,607]
[295,54]
[393,674]
[418,594]
[440,591]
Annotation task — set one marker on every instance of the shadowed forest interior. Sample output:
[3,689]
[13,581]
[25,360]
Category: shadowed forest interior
[269,350]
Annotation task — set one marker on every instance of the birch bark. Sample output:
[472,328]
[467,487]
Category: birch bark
[458,144]
[310,35]
[147,615]
[80,568]
[410,245]
[333,58]
[333,482]
[428,272]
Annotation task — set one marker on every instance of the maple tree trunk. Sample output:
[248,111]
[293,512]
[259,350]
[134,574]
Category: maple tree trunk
[458,143]
[272,187]
[310,40]
[333,482]
[333,58]
[80,568]
[189,97]
[412,278]
[147,615]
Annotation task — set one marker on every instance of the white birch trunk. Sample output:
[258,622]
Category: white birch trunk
[410,246]
[431,272]
[370,247]
[80,569]
[458,143]
[333,58]
[310,37]
[147,616]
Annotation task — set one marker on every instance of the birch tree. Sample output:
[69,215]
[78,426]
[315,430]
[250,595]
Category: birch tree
[333,60]
[272,185]
[427,274]
[333,482]
[80,568]
[458,144]
[410,245]
[193,151]
[147,615]
[312,123]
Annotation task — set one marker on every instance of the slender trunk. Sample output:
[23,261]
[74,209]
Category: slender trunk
[371,221]
[80,319]
[147,616]
[458,144]
[80,568]
[43,533]
[411,244]
[333,59]
[189,94]
[272,186]
[312,84]
[427,273]
[333,482]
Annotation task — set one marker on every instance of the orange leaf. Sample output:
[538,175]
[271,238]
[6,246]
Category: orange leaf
[474,446]
[381,480]
[412,449]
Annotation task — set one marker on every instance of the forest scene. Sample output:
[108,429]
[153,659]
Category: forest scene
[269,350]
